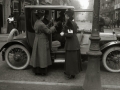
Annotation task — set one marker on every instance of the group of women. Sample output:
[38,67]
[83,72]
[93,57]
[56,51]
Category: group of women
[41,59]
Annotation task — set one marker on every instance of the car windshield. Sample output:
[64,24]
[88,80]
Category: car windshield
[84,20]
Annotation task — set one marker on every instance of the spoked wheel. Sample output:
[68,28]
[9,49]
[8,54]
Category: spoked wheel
[17,57]
[111,59]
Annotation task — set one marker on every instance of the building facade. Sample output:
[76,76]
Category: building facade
[15,7]
[117,9]
[12,7]
[1,15]
[110,8]
[107,8]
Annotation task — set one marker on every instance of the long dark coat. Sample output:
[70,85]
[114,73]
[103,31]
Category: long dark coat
[10,25]
[41,51]
[101,24]
[72,47]
[21,23]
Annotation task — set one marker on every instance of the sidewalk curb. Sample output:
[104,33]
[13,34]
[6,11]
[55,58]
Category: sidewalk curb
[111,87]
[46,85]
[3,38]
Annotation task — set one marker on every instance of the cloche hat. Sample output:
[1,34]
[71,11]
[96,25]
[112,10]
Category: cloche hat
[69,12]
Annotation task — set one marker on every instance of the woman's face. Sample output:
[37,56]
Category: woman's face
[42,17]
[66,17]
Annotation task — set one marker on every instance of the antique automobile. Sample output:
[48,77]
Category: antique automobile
[17,51]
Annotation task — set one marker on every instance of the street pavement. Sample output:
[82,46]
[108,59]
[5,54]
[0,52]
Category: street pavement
[3,37]
[55,80]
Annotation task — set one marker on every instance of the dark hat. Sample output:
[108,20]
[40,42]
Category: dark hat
[46,12]
[40,13]
[69,12]
[62,13]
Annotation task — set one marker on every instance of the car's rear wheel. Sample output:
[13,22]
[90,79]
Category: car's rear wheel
[111,59]
[17,57]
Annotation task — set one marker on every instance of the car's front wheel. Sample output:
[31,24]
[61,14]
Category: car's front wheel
[17,57]
[111,59]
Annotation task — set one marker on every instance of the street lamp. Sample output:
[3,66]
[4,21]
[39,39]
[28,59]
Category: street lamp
[92,78]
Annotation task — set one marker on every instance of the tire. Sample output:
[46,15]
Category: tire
[111,59]
[17,57]
[13,33]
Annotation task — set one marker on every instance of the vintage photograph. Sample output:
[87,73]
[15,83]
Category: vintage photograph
[59,44]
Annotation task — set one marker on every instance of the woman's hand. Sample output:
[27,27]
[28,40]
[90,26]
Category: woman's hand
[62,33]
[55,23]
[70,31]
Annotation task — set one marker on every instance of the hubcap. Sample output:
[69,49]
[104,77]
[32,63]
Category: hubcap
[113,60]
[17,57]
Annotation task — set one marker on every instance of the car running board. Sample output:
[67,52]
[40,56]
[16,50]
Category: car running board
[59,60]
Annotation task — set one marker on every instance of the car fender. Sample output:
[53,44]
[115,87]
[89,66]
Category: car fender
[21,42]
[11,35]
[109,44]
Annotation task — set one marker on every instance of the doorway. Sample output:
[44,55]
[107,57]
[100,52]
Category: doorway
[1,17]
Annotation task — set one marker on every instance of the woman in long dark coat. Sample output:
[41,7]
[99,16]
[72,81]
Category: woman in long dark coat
[40,58]
[10,23]
[21,23]
[72,46]
[101,24]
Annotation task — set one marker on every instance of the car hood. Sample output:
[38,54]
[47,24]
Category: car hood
[108,36]
[23,35]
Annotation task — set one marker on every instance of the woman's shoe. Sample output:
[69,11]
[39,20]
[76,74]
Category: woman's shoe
[71,76]
[43,74]
[37,73]
[65,73]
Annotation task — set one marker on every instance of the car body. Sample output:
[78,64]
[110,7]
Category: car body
[17,51]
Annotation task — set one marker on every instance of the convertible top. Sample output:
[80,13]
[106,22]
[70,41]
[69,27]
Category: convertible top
[49,6]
